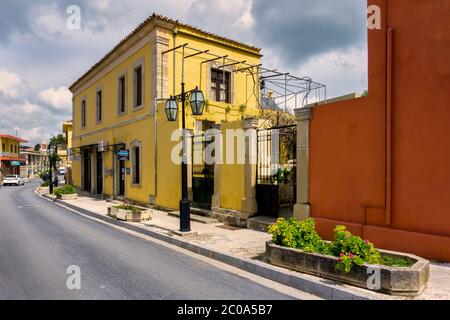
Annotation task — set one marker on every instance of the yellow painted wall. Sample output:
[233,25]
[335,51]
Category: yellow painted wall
[8,143]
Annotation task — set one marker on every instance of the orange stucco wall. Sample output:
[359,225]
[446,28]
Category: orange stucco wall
[348,153]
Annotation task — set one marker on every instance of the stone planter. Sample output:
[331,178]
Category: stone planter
[72,196]
[44,190]
[405,281]
[128,215]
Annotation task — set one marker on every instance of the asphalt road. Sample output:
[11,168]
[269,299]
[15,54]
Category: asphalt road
[39,241]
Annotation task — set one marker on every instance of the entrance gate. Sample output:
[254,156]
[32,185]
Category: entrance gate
[202,173]
[276,171]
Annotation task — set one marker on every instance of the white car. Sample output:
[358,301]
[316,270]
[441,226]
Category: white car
[13,179]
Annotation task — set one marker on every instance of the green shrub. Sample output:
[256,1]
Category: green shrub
[45,184]
[298,234]
[128,207]
[66,189]
[352,250]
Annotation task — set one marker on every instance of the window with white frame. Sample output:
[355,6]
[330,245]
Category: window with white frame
[83,113]
[99,106]
[138,88]
[220,86]
[122,94]
[136,160]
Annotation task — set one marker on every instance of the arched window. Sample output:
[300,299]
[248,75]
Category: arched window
[136,154]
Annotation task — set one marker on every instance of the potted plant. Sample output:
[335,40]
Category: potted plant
[66,192]
[44,188]
[129,212]
[296,245]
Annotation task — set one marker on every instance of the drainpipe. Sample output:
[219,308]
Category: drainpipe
[389,127]
[388,134]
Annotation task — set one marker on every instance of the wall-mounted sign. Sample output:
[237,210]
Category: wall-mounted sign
[15,163]
[123,154]
[102,146]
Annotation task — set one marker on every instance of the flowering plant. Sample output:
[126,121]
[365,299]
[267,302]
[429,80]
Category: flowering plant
[352,250]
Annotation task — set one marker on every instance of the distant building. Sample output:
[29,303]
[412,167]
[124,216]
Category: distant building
[35,162]
[10,160]
[64,150]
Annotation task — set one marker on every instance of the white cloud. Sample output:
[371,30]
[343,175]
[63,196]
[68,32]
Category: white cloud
[29,108]
[230,18]
[58,98]
[10,84]
[343,71]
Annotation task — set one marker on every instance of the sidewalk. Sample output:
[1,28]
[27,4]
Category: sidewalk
[245,249]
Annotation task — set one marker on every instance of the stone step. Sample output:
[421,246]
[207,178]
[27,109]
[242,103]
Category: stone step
[260,223]
[195,217]
[201,212]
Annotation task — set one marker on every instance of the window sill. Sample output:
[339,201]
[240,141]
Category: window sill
[138,108]
[120,114]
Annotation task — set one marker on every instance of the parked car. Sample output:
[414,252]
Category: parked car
[62,171]
[13,179]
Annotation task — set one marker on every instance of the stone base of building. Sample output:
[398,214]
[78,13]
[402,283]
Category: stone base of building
[302,211]
[231,217]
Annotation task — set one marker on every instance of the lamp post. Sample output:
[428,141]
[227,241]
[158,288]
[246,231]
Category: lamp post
[197,102]
[50,153]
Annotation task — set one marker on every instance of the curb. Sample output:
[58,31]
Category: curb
[320,287]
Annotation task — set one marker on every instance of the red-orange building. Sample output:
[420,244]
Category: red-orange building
[381,164]
[10,160]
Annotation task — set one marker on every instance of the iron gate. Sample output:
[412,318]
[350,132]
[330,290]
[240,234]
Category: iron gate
[276,171]
[202,173]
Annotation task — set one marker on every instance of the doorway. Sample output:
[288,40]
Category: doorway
[202,173]
[122,174]
[87,170]
[99,188]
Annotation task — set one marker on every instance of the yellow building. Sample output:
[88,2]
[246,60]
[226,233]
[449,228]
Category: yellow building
[64,150]
[10,160]
[121,137]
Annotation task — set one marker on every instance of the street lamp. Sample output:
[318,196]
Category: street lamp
[50,153]
[197,102]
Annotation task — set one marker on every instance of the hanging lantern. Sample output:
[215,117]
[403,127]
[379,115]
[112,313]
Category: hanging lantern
[197,102]
[171,109]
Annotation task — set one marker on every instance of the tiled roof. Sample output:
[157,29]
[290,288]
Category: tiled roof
[7,136]
[176,23]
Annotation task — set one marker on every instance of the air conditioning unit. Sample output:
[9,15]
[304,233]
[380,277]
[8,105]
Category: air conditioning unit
[102,146]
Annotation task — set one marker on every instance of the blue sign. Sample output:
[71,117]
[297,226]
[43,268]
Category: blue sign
[15,163]
[123,154]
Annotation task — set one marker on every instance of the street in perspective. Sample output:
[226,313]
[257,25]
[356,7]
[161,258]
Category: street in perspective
[242,152]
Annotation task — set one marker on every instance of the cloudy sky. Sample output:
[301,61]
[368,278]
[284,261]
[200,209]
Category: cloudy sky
[40,57]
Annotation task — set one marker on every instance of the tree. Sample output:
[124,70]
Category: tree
[57,140]
[37,147]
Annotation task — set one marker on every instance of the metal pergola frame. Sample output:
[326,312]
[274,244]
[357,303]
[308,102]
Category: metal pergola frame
[280,87]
